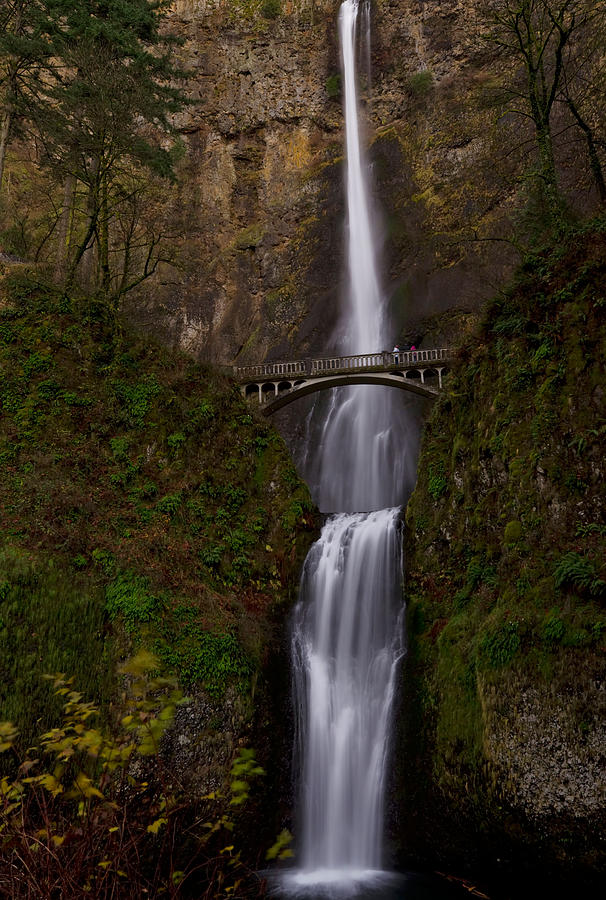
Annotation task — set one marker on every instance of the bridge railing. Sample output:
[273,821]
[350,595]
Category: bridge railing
[381,360]
[360,361]
[292,369]
[332,364]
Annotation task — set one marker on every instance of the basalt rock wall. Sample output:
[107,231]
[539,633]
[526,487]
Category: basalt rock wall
[258,216]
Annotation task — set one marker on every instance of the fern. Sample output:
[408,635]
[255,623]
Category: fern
[573,570]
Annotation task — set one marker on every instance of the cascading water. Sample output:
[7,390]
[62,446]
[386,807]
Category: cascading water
[347,630]
[346,645]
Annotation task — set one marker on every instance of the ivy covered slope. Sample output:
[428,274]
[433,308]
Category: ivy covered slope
[507,577]
[141,504]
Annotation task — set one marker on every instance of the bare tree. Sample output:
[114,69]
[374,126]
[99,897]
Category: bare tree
[546,44]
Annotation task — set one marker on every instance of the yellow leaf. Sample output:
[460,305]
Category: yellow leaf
[105,863]
[154,828]
[51,784]
[84,785]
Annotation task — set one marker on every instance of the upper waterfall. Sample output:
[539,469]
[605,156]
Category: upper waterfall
[368,437]
[365,315]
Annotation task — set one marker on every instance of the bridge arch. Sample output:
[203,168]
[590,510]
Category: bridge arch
[313,385]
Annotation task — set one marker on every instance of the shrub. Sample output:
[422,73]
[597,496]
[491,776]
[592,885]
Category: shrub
[128,595]
[201,416]
[169,504]
[175,441]
[135,399]
[333,86]
[437,484]
[213,660]
[420,83]
[271,9]
[480,572]
[87,816]
[553,627]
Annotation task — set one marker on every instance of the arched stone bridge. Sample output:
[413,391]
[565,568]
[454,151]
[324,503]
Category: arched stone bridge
[277,384]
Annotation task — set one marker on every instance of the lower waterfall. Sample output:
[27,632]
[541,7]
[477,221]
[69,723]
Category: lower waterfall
[346,646]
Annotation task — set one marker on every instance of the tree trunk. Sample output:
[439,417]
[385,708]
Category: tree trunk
[65,227]
[592,150]
[84,246]
[86,251]
[547,167]
[5,130]
[549,178]
[104,238]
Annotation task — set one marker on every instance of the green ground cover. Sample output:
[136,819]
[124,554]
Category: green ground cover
[141,504]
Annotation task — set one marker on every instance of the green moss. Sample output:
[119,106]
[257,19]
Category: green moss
[513,532]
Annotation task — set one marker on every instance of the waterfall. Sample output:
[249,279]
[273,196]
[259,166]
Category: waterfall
[347,627]
[346,645]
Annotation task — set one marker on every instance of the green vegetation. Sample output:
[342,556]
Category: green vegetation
[333,86]
[575,572]
[140,503]
[420,83]
[96,84]
[271,9]
[559,46]
[506,579]
[437,484]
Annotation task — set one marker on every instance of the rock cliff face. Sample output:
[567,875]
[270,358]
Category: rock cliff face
[507,583]
[258,220]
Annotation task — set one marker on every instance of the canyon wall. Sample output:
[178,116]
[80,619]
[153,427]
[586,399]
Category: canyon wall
[258,216]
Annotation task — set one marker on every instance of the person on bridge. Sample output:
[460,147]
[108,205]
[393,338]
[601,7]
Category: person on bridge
[396,350]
